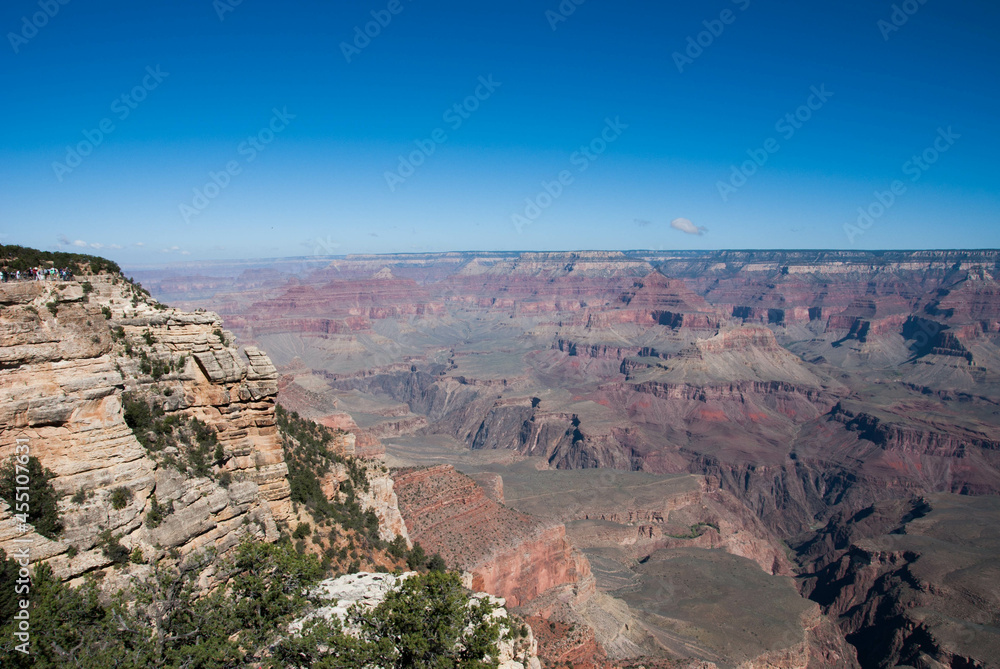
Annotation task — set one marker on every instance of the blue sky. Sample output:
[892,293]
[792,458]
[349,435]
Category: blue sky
[298,140]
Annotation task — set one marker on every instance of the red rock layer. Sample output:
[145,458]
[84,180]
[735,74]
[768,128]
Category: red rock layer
[510,554]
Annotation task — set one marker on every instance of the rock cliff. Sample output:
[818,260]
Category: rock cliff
[70,354]
[912,582]
[509,554]
[802,384]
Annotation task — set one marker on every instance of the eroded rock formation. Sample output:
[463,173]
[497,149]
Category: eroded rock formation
[509,554]
[61,388]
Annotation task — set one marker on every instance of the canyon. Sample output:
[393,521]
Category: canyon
[764,395]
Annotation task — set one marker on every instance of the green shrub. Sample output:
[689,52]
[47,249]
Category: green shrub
[158,369]
[41,508]
[120,497]
[106,310]
[397,547]
[22,257]
[436,563]
[157,512]
[88,288]
[417,558]
[112,548]
[53,307]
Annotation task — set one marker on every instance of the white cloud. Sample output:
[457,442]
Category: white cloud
[80,243]
[139,244]
[687,227]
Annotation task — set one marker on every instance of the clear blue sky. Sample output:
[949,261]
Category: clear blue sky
[321,185]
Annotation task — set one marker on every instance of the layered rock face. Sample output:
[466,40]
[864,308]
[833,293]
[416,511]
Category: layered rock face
[509,554]
[61,384]
[381,498]
[912,582]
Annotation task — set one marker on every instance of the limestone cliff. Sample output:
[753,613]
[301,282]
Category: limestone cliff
[69,351]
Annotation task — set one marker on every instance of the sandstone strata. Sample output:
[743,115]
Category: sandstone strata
[509,554]
[61,390]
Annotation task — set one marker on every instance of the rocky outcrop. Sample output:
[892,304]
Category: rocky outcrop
[382,500]
[366,591]
[509,554]
[67,358]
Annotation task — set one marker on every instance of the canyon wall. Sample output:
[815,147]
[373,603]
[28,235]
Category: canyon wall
[61,387]
[509,554]
[912,582]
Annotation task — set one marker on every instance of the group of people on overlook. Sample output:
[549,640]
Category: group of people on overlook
[36,274]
